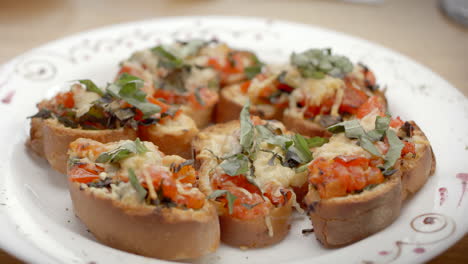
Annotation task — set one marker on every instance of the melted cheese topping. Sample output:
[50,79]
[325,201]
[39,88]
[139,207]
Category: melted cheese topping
[175,126]
[83,99]
[277,173]
[316,90]
[338,145]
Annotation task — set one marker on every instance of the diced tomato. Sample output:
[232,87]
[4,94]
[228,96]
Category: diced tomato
[284,87]
[84,173]
[169,96]
[138,115]
[324,108]
[246,206]
[164,107]
[374,102]
[343,175]
[186,174]
[396,122]
[66,99]
[272,191]
[245,87]
[408,148]
[223,181]
[353,98]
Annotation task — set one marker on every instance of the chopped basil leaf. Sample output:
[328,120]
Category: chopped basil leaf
[140,147]
[252,71]
[198,97]
[124,114]
[136,184]
[127,88]
[394,152]
[292,159]
[316,63]
[229,196]
[249,206]
[300,144]
[91,87]
[166,59]
[235,165]
[246,128]
[367,144]
[316,141]
[43,113]
[352,128]
[381,125]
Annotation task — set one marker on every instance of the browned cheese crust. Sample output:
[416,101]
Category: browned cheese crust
[57,138]
[171,142]
[164,233]
[228,109]
[343,220]
[252,233]
[417,170]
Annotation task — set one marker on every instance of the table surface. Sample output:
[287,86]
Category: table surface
[415,28]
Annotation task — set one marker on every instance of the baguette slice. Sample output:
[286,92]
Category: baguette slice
[416,170]
[341,221]
[57,138]
[164,233]
[261,231]
[173,136]
[141,200]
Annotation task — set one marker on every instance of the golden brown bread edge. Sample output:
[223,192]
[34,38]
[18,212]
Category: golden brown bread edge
[310,128]
[341,221]
[416,171]
[163,233]
[171,142]
[202,116]
[228,109]
[56,139]
[252,233]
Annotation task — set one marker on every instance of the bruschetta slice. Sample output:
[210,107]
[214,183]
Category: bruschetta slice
[134,198]
[358,180]
[249,168]
[120,112]
[190,73]
[315,90]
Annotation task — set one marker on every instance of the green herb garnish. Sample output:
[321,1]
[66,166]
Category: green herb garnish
[229,196]
[122,152]
[91,86]
[235,165]
[136,184]
[166,59]
[246,128]
[316,63]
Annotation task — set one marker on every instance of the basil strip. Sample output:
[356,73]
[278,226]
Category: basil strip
[229,196]
[140,147]
[127,88]
[367,144]
[246,128]
[122,152]
[141,192]
[316,142]
[166,59]
[394,152]
[381,125]
[252,71]
[316,63]
[301,148]
[91,87]
[235,165]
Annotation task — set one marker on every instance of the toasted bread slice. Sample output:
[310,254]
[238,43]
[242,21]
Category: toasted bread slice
[416,170]
[57,138]
[36,136]
[149,199]
[172,136]
[164,233]
[341,221]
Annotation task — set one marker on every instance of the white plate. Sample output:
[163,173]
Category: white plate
[36,217]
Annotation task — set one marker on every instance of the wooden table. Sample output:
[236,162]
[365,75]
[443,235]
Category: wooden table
[415,28]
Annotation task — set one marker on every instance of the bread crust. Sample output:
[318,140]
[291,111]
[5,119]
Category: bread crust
[253,233]
[164,233]
[416,171]
[57,138]
[203,116]
[229,109]
[36,137]
[177,142]
[341,221]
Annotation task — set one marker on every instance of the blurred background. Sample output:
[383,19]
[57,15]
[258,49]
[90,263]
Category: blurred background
[419,29]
